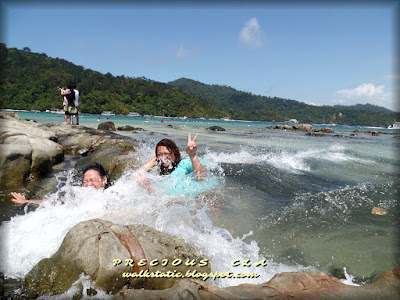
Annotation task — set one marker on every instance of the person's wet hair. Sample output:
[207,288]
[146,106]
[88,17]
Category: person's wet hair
[102,172]
[173,149]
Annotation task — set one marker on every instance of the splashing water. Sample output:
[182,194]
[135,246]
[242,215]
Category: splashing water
[38,234]
[291,199]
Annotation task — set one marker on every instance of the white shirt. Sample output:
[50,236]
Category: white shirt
[76,101]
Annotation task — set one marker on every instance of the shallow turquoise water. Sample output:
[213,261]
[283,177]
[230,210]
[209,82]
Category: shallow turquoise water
[304,201]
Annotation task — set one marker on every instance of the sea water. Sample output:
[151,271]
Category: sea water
[294,201]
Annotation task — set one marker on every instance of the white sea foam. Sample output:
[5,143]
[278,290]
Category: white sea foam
[349,278]
[80,287]
[38,234]
[333,163]
[290,161]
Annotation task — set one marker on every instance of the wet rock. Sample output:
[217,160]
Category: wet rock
[280,126]
[314,134]
[26,127]
[327,130]
[111,150]
[2,285]
[82,144]
[303,127]
[109,126]
[105,251]
[126,128]
[300,127]
[215,128]
[288,285]
[27,153]
[10,115]
[287,127]
[116,155]
[63,130]
[376,132]
[378,211]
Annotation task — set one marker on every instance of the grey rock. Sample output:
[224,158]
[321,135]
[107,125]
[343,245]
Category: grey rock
[216,128]
[93,246]
[109,126]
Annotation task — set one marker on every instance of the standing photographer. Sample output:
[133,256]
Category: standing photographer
[76,102]
[69,103]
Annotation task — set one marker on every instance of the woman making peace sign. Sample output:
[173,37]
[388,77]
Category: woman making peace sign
[167,155]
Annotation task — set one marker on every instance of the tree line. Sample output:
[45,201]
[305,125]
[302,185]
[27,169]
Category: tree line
[246,106]
[29,81]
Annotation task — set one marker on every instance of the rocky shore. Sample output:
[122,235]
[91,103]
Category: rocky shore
[91,247]
[301,127]
[310,131]
[30,152]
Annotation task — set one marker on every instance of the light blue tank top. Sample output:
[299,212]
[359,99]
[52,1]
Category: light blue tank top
[182,181]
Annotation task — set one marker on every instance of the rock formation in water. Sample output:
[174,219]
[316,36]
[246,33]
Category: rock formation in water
[29,151]
[110,254]
[301,127]
[100,249]
[216,128]
[110,126]
[288,285]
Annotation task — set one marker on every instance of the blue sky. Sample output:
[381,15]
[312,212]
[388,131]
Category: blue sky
[317,54]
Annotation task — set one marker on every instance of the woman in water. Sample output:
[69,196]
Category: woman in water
[95,176]
[167,155]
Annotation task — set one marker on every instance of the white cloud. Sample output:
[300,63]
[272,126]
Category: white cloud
[181,53]
[392,76]
[365,93]
[364,90]
[251,34]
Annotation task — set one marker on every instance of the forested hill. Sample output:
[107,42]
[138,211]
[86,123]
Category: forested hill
[246,106]
[30,80]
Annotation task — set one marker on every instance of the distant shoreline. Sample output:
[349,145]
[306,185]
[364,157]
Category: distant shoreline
[206,119]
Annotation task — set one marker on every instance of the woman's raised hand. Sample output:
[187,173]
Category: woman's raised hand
[19,198]
[191,147]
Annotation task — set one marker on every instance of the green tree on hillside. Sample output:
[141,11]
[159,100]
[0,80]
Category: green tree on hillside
[30,81]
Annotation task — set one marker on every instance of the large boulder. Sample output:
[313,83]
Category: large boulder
[82,144]
[63,130]
[26,127]
[91,146]
[115,154]
[111,254]
[27,154]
